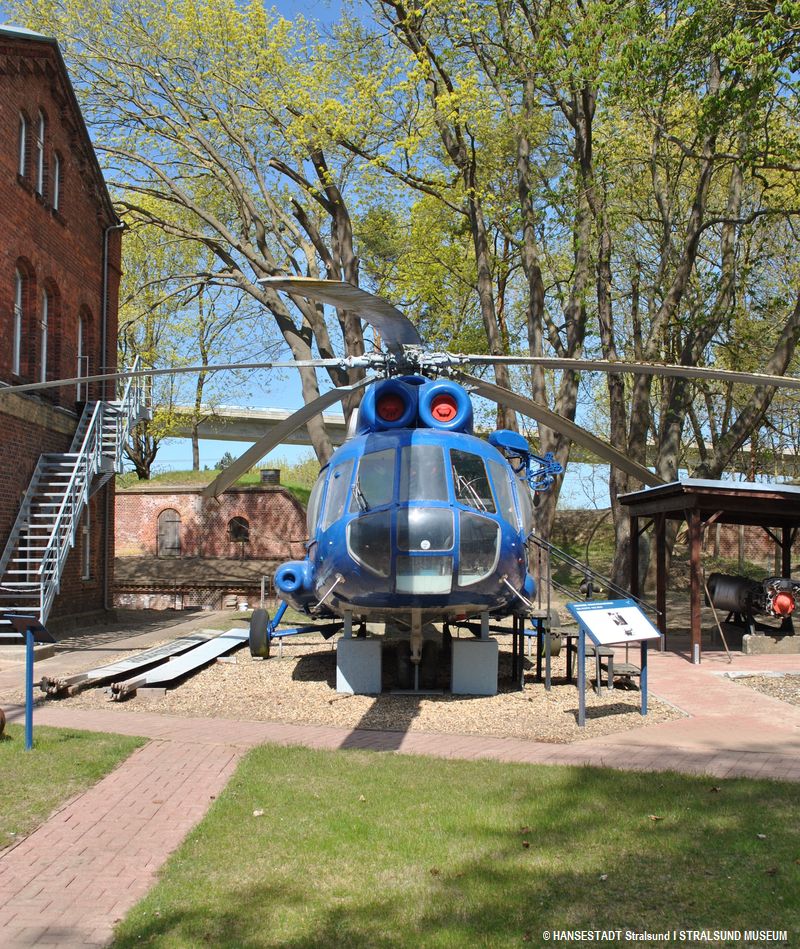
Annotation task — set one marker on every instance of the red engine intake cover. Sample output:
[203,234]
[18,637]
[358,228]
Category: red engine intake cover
[390,407]
[444,408]
[783,604]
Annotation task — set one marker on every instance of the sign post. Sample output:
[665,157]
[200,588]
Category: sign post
[31,631]
[611,622]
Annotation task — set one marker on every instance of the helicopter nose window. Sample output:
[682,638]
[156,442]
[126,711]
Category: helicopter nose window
[424,528]
[369,542]
[338,487]
[471,481]
[424,574]
[313,505]
[504,491]
[422,474]
[479,548]
[375,481]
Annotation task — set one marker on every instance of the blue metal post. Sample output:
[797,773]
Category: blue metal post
[29,640]
[643,677]
[547,654]
[276,619]
[581,675]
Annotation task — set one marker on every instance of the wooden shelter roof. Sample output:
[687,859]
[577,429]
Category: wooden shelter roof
[735,502]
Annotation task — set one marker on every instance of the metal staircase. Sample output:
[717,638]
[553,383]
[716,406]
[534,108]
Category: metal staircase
[48,521]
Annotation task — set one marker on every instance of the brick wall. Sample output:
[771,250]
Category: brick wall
[276,522]
[60,251]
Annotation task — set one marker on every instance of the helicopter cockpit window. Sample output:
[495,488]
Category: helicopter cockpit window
[471,481]
[422,474]
[375,481]
[369,541]
[424,528]
[525,506]
[338,487]
[314,500]
[479,548]
[504,491]
[424,574]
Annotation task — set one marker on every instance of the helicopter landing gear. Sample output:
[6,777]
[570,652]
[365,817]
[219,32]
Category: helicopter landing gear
[416,644]
[404,676]
[259,634]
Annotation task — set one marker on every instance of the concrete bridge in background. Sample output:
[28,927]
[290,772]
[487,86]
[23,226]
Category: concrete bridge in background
[233,423]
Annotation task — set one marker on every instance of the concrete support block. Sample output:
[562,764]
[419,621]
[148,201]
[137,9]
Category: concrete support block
[475,667]
[17,653]
[358,666]
[761,644]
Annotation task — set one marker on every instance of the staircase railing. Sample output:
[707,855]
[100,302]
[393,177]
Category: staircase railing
[132,407]
[65,527]
[21,521]
[89,456]
[599,581]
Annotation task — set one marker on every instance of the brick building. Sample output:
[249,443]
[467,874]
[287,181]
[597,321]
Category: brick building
[177,549]
[59,279]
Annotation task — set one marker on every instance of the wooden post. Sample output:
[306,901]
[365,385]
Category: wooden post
[661,573]
[634,553]
[695,537]
[787,536]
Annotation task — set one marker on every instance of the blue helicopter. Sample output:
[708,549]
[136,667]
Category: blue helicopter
[414,519]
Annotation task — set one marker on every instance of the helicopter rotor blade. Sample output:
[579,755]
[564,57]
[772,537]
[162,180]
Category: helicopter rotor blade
[171,371]
[646,369]
[280,432]
[559,424]
[395,327]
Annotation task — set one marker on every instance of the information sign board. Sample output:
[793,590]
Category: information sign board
[613,621]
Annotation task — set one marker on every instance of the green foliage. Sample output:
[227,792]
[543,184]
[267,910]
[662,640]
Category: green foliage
[396,851]
[63,762]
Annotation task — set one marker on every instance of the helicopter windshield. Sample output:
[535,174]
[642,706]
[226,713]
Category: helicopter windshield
[479,548]
[375,481]
[471,481]
[312,515]
[338,486]
[504,491]
[422,474]
[369,541]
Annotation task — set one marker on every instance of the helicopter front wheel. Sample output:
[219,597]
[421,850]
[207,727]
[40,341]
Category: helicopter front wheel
[259,634]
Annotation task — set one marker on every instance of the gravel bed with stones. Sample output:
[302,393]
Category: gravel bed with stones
[300,687]
[784,687]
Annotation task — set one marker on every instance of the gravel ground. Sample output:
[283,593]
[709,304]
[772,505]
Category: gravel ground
[300,688]
[783,687]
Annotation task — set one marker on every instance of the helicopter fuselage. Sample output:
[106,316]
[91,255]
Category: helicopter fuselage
[423,518]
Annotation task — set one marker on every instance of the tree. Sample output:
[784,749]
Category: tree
[204,114]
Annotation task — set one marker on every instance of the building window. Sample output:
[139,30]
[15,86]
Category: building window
[239,530]
[16,354]
[86,547]
[23,145]
[43,337]
[80,369]
[40,153]
[56,181]
[169,533]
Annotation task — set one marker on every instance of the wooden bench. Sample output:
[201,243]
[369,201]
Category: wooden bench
[621,670]
[604,660]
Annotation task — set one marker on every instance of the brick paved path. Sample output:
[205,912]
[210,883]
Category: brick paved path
[68,882]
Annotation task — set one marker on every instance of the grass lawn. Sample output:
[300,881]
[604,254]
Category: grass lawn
[358,849]
[62,763]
